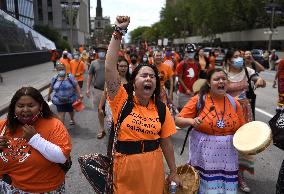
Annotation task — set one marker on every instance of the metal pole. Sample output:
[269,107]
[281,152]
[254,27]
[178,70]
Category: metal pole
[70,23]
[271,27]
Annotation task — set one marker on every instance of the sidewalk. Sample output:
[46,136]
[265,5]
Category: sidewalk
[37,76]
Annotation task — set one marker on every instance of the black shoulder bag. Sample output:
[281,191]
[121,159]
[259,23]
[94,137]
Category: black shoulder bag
[277,126]
[250,93]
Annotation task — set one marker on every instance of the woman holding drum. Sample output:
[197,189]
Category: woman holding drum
[238,87]
[211,149]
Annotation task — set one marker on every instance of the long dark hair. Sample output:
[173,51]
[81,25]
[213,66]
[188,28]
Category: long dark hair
[127,75]
[12,121]
[206,88]
[229,55]
[156,93]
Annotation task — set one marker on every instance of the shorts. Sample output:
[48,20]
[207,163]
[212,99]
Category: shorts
[64,107]
[96,96]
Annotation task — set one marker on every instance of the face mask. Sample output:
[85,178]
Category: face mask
[76,57]
[29,121]
[190,55]
[168,53]
[101,55]
[133,61]
[238,62]
[144,59]
[62,73]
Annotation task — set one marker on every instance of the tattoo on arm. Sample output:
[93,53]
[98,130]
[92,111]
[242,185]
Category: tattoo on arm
[113,87]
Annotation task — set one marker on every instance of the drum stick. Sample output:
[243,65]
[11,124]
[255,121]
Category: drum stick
[189,128]
[210,110]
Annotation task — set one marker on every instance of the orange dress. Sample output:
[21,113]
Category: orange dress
[140,173]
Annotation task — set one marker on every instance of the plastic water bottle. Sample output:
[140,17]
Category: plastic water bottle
[173,187]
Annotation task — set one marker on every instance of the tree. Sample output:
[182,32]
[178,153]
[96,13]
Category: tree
[53,35]
[209,17]
[136,35]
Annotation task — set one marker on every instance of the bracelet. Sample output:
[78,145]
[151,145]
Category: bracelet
[120,30]
[117,35]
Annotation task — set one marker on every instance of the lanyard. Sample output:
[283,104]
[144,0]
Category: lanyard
[220,122]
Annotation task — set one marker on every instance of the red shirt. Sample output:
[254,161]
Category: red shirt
[281,76]
[189,74]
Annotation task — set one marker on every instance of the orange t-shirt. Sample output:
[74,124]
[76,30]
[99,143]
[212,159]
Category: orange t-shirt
[66,63]
[143,122]
[81,49]
[77,69]
[233,118]
[165,73]
[29,169]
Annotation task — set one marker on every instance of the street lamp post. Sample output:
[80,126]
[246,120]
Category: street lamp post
[70,10]
[271,28]
[272,8]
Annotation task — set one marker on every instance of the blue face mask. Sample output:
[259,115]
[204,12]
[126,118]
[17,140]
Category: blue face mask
[191,55]
[238,62]
[101,55]
[62,73]
[168,53]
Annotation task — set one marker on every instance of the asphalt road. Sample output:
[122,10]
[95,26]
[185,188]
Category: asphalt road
[84,142]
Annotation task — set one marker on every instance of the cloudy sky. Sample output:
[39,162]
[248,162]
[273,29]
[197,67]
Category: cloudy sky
[142,12]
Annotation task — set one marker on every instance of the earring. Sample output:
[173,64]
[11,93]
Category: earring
[15,116]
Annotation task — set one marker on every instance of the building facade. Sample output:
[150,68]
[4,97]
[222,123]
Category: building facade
[22,10]
[98,25]
[70,17]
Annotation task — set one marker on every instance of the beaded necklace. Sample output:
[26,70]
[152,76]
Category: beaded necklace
[220,122]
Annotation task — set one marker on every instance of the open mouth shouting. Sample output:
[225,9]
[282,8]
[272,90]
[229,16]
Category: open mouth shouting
[221,87]
[148,87]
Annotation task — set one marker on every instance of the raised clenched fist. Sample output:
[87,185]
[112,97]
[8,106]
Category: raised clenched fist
[122,21]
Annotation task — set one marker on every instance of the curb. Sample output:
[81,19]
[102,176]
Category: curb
[4,109]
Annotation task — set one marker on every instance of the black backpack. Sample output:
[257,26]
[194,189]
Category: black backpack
[161,107]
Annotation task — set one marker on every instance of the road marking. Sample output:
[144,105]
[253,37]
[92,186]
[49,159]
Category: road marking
[263,112]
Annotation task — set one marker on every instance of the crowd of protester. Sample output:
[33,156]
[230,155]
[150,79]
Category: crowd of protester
[148,76]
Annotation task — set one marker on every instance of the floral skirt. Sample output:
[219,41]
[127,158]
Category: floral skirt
[217,162]
[10,189]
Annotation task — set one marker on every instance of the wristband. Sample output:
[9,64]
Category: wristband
[117,35]
[121,31]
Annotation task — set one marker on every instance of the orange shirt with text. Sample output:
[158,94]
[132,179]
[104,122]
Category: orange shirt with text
[143,122]
[28,168]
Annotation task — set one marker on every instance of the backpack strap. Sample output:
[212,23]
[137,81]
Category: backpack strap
[53,83]
[69,79]
[232,101]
